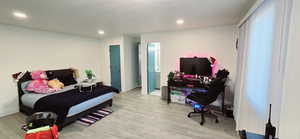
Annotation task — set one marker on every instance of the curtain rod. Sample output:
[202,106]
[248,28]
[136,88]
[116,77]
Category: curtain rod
[257,4]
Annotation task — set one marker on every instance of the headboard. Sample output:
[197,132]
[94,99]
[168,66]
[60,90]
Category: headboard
[51,75]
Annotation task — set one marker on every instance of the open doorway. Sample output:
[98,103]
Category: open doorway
[153,68]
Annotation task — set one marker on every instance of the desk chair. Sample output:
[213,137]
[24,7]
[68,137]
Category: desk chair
[201,101]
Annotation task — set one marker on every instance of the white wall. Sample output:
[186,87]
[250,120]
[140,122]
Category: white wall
[290,112]
[24,49]
[215,41]
[131,62]
[105,58]
[129,68]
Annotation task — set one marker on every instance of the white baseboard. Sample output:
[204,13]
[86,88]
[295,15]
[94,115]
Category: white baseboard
[10,112]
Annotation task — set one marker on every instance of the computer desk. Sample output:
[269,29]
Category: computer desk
[191,84]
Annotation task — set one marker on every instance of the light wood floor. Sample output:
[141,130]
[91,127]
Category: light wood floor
[136,116]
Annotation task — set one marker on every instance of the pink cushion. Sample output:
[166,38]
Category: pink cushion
[39,86]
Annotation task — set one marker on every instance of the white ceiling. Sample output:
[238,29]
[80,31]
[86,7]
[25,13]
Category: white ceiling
[116,17]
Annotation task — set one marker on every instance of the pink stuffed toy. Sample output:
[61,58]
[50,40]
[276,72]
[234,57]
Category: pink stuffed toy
[39,84]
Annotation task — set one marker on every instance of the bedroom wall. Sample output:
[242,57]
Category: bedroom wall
[25,49]
[105,58]
[129,61]
[215,41]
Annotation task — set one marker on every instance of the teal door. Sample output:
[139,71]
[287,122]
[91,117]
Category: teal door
[151,68]
[115,68]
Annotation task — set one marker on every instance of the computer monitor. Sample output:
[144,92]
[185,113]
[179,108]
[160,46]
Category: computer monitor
[196,66]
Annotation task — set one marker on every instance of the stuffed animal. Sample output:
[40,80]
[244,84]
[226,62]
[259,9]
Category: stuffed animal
[39,84]
[55,84]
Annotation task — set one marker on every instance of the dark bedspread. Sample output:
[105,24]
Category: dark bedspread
[60,103]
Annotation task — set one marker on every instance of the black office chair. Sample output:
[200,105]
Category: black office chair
[201,101]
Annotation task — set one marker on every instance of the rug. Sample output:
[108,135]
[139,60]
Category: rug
[94,117]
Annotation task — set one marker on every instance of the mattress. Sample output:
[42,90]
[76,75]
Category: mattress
[89,104]
[29,100]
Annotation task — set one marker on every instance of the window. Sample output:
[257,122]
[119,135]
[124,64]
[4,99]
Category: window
[257,47]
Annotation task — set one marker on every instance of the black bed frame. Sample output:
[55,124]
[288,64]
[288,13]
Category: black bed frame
[67,120]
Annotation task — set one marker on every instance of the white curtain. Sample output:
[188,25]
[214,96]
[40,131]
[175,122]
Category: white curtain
[259,68]
[241,57]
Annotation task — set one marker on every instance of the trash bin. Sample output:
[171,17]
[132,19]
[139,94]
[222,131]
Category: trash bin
[164,92]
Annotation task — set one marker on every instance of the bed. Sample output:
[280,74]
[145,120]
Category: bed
[69,104]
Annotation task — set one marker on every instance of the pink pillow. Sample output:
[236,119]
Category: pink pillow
[39,74]
[39,86]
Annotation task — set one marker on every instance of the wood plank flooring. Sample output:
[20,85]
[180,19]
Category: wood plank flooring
[136,116]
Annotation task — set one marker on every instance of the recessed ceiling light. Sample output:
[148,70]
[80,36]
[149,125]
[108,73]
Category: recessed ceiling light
[101,32]
[20,15]
[180,21]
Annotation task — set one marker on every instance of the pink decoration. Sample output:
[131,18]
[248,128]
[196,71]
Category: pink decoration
[39,84]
